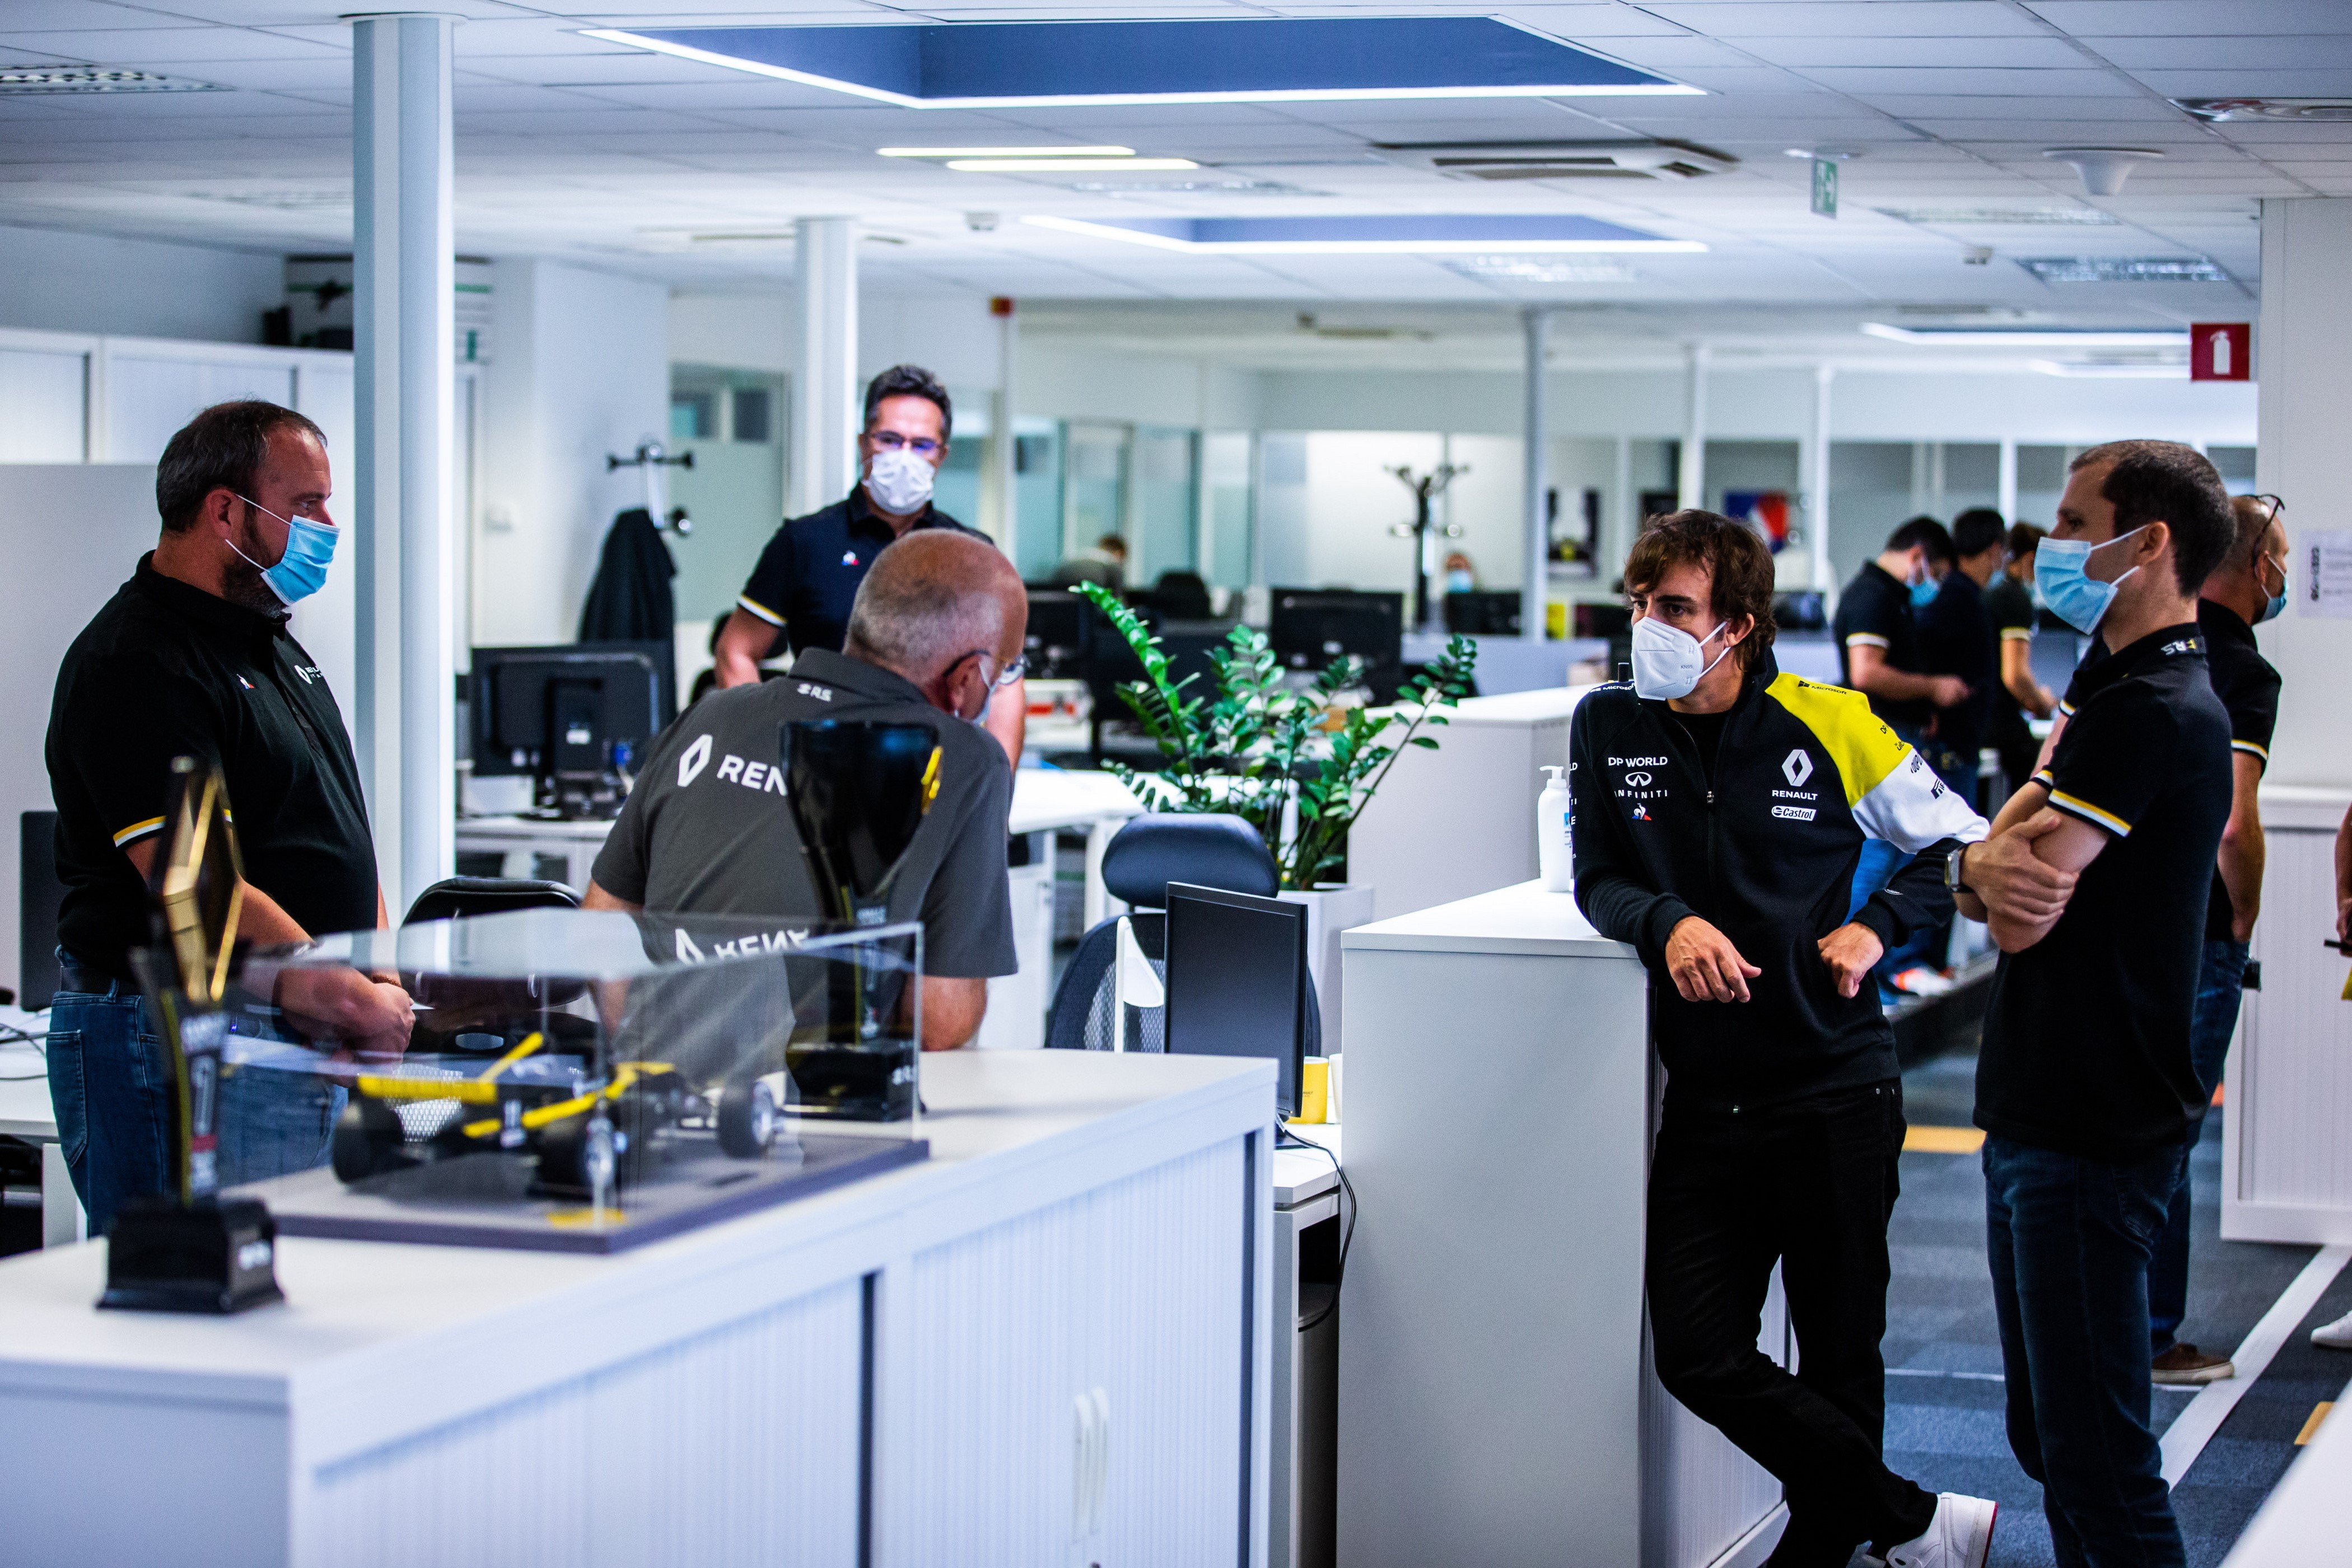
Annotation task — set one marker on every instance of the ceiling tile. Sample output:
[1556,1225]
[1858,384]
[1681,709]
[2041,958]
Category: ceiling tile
[1816,19]
[1873,49]
[2213,19]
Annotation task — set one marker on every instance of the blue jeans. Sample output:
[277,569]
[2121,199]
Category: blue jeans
[110,1087]
[2221,986]
[2069,1241]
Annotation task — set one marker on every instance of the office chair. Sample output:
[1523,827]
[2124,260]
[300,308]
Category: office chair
[1141,860]
[455,898]
[39,895]
[1181,596]
[472,1016]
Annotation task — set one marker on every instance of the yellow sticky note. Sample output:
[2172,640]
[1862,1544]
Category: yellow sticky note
[1314,1091]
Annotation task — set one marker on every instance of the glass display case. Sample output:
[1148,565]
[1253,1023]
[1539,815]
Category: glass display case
[566,1080]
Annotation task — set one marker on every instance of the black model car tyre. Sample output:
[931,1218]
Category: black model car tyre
[368,1141]
[746,1119]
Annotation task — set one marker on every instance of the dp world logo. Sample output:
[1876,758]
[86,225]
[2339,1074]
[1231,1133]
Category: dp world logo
[697,758]
[1798,768]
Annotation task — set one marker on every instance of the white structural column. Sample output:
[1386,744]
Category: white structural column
[2006,501]
[1004,456]
[1690,480]
[1817,482]
[1535,592]
[2304,362]
[403,554]
[825,391]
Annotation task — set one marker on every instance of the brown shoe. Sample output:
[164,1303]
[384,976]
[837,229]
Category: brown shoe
[2185,1364]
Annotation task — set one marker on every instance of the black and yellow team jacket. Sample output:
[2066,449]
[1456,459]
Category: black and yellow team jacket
[1765,851]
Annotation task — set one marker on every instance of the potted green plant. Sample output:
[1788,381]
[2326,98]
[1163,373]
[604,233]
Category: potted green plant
[1290,758]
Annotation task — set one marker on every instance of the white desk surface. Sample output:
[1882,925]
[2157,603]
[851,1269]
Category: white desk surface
[2311,806]
[1303,1174]
[533,828]
[2301,1524]
[1521,918]
[1014,1111]
[25,1108]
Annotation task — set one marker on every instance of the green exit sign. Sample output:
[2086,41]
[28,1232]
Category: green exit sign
[1825,188]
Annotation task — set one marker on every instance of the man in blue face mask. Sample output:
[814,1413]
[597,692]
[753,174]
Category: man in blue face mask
[2096,883]
[192,657]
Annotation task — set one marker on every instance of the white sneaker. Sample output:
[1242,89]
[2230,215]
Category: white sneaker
[2334,1336]
[1957,1537]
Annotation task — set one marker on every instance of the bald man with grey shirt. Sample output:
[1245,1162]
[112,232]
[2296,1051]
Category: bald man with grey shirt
[936,630]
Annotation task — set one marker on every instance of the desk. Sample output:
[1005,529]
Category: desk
[1304,1405]
[1496,1405]
[26,1112]
[1090,1234]
[2301,1524]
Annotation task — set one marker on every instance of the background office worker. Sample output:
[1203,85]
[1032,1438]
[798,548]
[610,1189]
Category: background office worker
[800,593]
[191,657]
[2095,882]
[2008,608]
[1719,808]
[936,630]
[2247,589]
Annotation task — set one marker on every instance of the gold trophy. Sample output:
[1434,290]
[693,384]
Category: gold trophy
[190,1249]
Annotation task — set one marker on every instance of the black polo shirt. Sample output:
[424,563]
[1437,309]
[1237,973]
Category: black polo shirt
[808,575]
[706,830]
[168,671]
[2086,1032]
[1875,611]
[2249,690]
[1955,638]
[2008,615]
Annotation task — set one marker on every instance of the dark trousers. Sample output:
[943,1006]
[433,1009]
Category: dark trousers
[1809,1187]
[2221,987]
[2069,1239]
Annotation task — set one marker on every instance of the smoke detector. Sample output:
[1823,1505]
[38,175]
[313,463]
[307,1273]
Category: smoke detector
[2103,168]
[1621,160]
[981,223]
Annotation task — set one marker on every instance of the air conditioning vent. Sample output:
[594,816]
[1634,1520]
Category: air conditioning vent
[2293,110]
[1497,161]
[95,78]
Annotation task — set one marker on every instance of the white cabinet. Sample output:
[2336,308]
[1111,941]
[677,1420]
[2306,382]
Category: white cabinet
[42,407]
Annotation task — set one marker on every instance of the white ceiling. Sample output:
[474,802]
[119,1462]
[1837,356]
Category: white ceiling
[571,146]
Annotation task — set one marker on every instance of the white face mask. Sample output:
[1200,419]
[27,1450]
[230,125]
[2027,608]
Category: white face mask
[899,481]
[1669,662]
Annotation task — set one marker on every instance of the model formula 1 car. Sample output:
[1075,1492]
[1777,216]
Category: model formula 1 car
[587,1138]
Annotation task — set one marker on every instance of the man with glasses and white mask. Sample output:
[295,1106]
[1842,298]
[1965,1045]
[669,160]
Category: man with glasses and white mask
[934,635]
[800,593]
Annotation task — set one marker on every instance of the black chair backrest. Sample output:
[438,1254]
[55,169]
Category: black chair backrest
[455,898]
[1181,596]
[1211,849]
[38,896]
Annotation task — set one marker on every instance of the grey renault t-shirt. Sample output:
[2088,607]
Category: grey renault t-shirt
[707,831]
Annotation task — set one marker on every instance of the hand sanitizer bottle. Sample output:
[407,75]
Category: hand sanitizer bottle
[1552,855]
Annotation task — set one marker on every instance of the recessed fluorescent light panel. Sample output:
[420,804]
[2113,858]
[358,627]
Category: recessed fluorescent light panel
[1465,234]
[94,78]
[1201,187]
[1066,166]
[1005,151]
[2293,111]
[2123,269]
[1273,59]
[2046,337]
[2111,369]
[1531,269]
[1999,217]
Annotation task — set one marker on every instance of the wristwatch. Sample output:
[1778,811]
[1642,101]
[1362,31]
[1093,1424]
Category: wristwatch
[1952,866]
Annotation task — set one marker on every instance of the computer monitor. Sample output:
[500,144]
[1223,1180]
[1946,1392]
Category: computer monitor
[571,715]
[1237,980]
[1484,612]
[1061,630]
[1312,626]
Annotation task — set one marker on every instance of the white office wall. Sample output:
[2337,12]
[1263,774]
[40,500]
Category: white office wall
[745,332]
[99,283]
[151,394]
[75,532]
[582,370]
[42,406]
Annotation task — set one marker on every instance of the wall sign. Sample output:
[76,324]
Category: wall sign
[2222,350]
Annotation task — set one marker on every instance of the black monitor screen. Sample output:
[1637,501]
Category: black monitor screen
[562,709]
[1057,636]
[1484,612]
[1310,628]
[1238,980]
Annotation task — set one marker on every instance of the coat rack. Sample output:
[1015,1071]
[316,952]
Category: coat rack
[650,459]
[1424,488]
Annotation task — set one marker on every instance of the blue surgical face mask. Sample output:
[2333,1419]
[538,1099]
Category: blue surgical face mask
[1924,593]
[2079,600]
[302,570]
[2276,605]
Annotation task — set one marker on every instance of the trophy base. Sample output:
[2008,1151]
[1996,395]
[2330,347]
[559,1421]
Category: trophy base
[872,1082]
[216,1255]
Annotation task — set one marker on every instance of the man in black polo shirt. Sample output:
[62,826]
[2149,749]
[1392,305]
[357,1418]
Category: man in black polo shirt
[801,592]
[2095,881]
[191,657]
[936,630]
[2247,589]
[2008,610]
[1956,640]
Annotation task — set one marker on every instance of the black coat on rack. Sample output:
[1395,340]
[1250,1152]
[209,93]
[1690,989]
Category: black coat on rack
[630,599]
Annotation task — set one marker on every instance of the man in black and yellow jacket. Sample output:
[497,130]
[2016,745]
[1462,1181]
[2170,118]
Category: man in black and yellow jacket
[1719,806]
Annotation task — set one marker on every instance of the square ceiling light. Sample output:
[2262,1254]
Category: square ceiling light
[1273,59]
[1434,234]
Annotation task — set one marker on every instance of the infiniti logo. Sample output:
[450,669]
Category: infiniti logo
[1638,781]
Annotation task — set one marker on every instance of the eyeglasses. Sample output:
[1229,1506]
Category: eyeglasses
[2276,505]
[1011,673]
[890,441]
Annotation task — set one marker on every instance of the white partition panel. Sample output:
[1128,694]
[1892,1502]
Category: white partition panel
[42,411]
[154,389]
